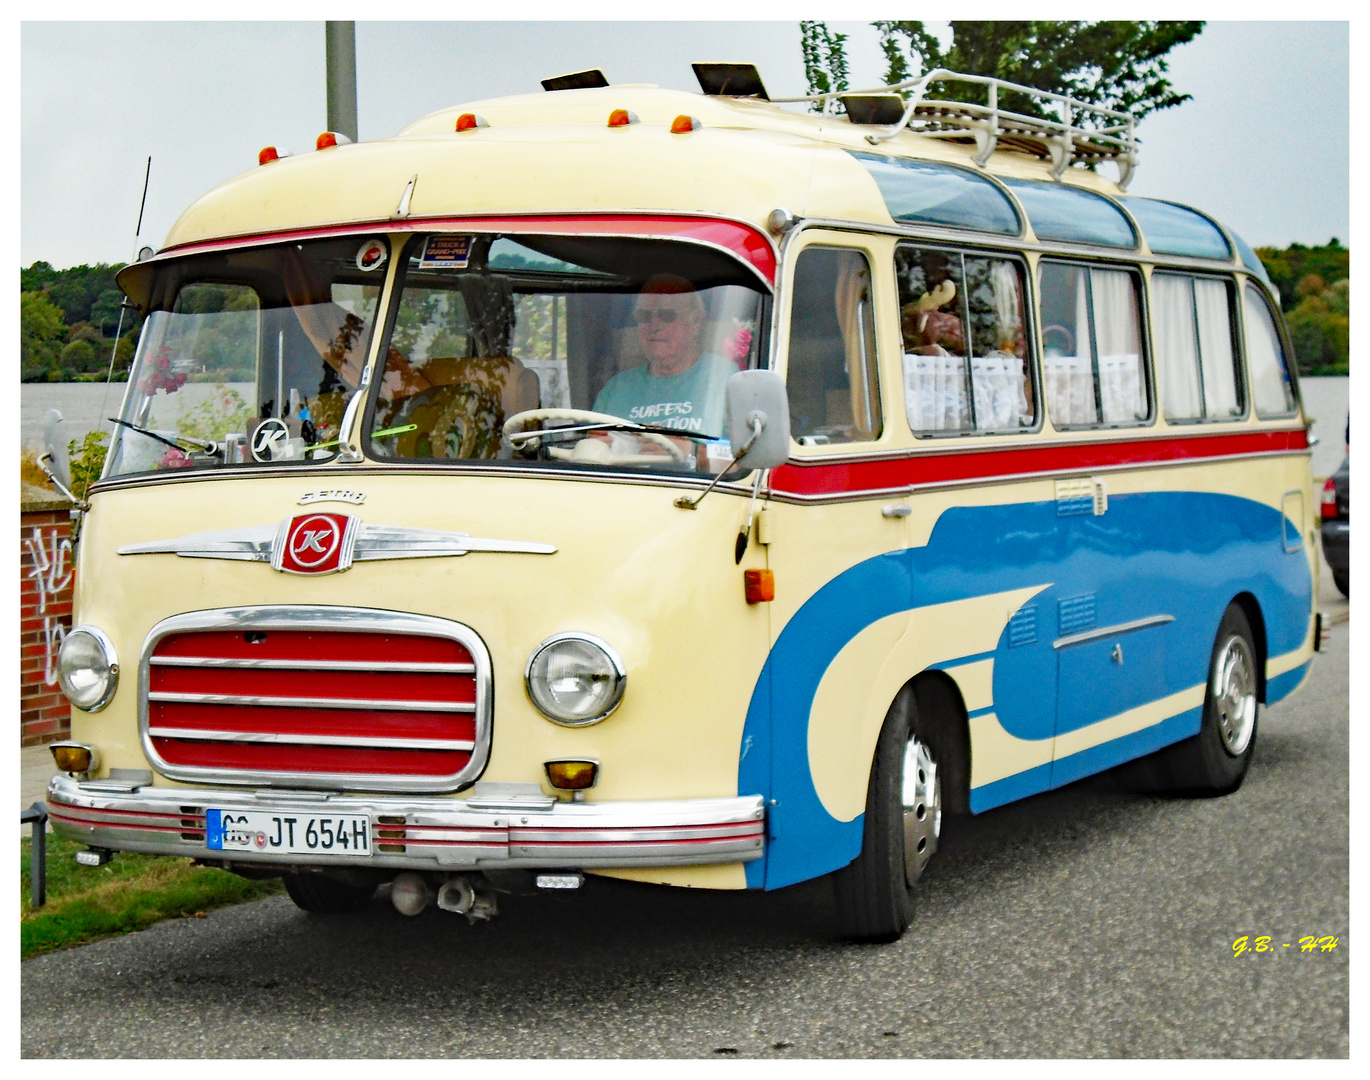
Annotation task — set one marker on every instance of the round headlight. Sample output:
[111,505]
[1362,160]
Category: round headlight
[575,679]
[87,668]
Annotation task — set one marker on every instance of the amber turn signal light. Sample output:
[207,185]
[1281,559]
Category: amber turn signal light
[266,154]
[622,118]
[468,121]
[572,775]
[72,757]
[760,586]
[683,123]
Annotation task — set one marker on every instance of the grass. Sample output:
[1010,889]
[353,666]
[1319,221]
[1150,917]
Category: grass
[86,903]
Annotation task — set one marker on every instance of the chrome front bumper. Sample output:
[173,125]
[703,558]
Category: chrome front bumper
[418,833]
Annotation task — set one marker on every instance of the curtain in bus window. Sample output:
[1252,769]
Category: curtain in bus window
[1122,389]
[1068,366]
[931,300]
[1175,344]
[998,370]
[858,339]
[1215,349]
[1270,388]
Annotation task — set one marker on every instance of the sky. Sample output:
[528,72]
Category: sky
[1263,145]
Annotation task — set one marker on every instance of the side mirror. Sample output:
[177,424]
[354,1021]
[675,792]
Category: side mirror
[758,412]
[55,449]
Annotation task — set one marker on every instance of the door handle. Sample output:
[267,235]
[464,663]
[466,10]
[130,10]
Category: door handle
[896,510]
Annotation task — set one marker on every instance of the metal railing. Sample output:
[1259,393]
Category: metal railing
[1111,135]
[37,815]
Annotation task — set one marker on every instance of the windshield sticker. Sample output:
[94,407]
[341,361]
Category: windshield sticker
[449,251]
[371,255]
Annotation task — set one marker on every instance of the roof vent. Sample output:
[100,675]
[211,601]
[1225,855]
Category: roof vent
[873,108]
[577,80]
[730,80]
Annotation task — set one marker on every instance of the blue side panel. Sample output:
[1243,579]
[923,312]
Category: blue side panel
[1281,686]
[1183,554]
[1067,770]
[1010,788]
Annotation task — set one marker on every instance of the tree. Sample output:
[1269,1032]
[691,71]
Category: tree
[41,332]
[1117,65]
[825,59]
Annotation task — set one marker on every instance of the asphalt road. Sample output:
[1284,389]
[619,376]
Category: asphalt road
[1087,922]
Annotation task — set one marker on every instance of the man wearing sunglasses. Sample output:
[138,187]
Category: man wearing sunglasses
[679,386]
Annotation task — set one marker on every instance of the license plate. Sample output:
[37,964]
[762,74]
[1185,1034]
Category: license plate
[287,832]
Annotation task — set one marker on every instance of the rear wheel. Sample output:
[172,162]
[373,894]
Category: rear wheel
[325,895]
[1342,580]
[1216,760]
[874,893]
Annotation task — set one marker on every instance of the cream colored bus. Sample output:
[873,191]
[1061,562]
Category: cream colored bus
[675,487]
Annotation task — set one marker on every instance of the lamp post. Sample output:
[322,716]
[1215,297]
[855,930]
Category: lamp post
[340,51]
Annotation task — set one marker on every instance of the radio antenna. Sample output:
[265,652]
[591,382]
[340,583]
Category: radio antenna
[124,304]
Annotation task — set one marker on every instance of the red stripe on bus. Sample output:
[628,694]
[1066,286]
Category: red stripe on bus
[749,244]
[845,477]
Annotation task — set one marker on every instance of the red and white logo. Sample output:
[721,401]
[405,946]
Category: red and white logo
[314,544]
[370,255]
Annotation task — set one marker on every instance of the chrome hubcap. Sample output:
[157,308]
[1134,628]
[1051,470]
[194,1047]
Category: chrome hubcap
[1234,695]
[922,800]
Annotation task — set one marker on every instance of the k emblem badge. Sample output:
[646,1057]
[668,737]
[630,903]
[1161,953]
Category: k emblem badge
[314,544]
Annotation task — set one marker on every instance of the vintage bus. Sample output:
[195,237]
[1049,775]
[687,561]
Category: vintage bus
[680,488]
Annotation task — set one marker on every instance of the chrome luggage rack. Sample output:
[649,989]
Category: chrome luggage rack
[1110,136]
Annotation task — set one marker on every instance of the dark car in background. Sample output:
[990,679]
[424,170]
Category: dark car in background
[1336,525]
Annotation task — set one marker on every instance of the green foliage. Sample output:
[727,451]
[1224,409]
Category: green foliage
[1117,65]
[1288,266]
[216,416]
[41,332]
[1315,292]
[87,461]
[129,893]
[825,59]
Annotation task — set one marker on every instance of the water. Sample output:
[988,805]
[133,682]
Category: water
[83,406]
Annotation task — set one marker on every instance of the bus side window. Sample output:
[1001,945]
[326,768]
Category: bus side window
[1191,322]
[965,341]
[1265,359]
[832,382]
[1092,365]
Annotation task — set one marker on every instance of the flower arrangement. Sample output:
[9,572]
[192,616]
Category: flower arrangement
[740,346]
[174,459]
[159,375]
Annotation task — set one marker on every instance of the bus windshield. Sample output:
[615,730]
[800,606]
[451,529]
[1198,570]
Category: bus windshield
[250,356]
[565,352]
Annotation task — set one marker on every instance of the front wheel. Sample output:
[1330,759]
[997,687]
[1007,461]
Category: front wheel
[903,822]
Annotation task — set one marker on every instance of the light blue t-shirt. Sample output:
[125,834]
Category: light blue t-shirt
[692,401]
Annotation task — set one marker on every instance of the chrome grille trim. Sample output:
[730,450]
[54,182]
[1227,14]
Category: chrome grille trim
[288,702]
[415,667]
[309,740]
[328,620]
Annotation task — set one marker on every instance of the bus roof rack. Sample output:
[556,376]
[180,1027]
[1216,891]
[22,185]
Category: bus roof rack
[1084,133]
[730,80]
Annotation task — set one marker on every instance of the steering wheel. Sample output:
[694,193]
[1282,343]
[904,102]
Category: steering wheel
[584,416]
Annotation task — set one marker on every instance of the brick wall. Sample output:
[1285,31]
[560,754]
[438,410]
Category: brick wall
[45,580]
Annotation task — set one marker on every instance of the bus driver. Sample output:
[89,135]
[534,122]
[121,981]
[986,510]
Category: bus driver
[679,386]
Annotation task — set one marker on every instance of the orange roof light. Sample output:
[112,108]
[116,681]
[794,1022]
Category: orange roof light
[270,153]
[622,118]
[469,121]
[331,138]
[683,123]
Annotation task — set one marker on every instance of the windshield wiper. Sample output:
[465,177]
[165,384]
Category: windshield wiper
[208,446]
[626,425]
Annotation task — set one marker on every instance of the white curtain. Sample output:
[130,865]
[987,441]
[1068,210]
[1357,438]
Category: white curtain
[1070,379]
[1177,361]
[935,392]
[1270,387]
[1122,389]
[1000,398]
[1215,349]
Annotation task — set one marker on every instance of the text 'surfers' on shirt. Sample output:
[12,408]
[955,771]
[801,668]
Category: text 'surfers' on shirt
[692,401]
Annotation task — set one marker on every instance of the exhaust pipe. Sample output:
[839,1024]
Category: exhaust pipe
[459,895]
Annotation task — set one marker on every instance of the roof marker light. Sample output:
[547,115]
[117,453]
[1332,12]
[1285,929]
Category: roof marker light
[271,153]
[683,123]
[469,121]
[331,138]
[622,118]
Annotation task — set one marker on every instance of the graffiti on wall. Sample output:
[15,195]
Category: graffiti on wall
[51,573]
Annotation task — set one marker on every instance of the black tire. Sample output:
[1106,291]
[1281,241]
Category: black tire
[324,895]
[1342,580]
[873,894]
[1216,760]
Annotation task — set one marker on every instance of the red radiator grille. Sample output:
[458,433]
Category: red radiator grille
[312,702]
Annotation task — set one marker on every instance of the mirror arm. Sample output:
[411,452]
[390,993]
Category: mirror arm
[758,424]
[43,463]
